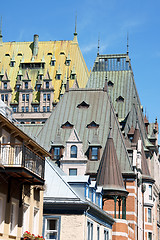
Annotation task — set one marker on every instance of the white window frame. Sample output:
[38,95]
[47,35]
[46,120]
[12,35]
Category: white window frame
[106,234]
[89,230]
[14,207]
[52,231]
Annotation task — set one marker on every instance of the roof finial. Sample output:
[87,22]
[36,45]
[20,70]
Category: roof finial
[1,31]
[127,44]
[98,45]
[75,33]
[67,84]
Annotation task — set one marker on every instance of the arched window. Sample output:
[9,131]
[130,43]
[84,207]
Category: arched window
[73,151]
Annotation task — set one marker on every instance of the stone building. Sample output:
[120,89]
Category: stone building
[33,75]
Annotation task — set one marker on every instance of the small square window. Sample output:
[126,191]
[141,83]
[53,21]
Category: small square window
[53,62]
[14,109]
[58,76]
[52,229]
[35,108]
[73,172]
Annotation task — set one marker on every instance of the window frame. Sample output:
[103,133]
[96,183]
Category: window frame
[45,230]
[13,230]
[73,154]
[94,156]
[74,171]
[150,192]
[89,230]
[149,215]
[57,156]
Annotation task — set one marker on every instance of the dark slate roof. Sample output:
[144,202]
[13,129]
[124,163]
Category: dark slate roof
[98,111]
[109,173]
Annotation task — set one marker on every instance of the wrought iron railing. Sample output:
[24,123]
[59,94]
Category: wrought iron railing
[21,156]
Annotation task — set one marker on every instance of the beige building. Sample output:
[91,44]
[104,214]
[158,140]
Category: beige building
[33,75]
[22,163]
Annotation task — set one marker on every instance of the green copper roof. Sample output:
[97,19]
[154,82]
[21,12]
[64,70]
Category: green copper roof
[98,111]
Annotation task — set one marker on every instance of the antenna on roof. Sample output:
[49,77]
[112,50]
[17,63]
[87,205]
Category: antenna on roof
[1,31]
[98,45]
[127,44]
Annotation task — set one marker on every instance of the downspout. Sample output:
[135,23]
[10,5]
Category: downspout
[85,213]
[137,207]
[143,214]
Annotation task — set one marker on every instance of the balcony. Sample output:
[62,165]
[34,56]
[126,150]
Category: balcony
[20,159]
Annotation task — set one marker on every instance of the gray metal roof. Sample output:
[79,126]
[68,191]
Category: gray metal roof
[98,111]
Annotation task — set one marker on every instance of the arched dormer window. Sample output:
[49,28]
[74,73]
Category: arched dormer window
[73,151]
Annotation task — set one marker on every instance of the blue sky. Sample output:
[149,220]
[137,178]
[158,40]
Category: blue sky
[110,19]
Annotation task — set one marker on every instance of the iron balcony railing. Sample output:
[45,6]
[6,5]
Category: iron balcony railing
[16,155]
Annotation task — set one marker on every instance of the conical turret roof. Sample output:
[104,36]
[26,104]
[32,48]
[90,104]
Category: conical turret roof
[109,173]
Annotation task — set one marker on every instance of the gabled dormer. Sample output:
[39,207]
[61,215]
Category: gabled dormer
[83,105]
[74,160]
[110,83]
[5,82]
[53,60]
[26,81]
[94,148]
[57,147]
[93,124]
[73,73]
[12,62]
[120,99]
[58,73]
[68,60]
[47,82]
[67,125]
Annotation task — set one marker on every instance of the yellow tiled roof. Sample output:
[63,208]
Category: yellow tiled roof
[22,52]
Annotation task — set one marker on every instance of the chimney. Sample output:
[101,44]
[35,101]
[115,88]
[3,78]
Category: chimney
[35,45]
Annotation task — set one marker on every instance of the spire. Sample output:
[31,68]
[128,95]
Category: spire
[75,33]
[98,46]
[127,45]
[136,133]
[1,31]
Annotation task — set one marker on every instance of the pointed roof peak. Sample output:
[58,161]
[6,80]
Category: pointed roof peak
[5,76]
[57,141]
[47,76]
[75,84]
[127,44]
[95,140]
[98,46]
[75,32]
[26,76]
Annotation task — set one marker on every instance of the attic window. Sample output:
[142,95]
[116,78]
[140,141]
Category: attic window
[49,53]
[110,83]
[19,54]
[83,105]
[67,125]
[118,59]
[7,55]
[92,125]
[120,99]
[53,62]
[62,53]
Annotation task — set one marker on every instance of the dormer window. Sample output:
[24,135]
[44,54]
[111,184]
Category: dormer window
[67,125]
[110,84]
[68,62]
[47,85]
[92,125]
[83,105]
[12,63]
[73,76]
[53,62]
[5,85]
[26,85]
[94,153]
[73,151]
[38,87]
[57,153]
[58,76]
[120,99]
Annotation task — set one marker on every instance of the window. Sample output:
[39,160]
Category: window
[44,97]
[58,76]
[14,109]
[26,85]
[5,85]
[106,235]
[38,87]
[52,229]
[22,109]
[25,217]
[2,97]
[149,215]
[23,97]
[149,236]
[56,153]
[44,108]
[36,221]
[2,211]
[48,109]
[12,64]
[150,192]
[27,109]
[47,84]
[73,172]
[27,97]
[94,154]
[53,62]
[17,87]
[13,218]
[98,238]
[89,231]
[73,151]
[6,97]
[48,97]
[35,108]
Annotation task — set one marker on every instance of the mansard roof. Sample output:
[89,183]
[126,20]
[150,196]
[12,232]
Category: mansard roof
[99,111]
